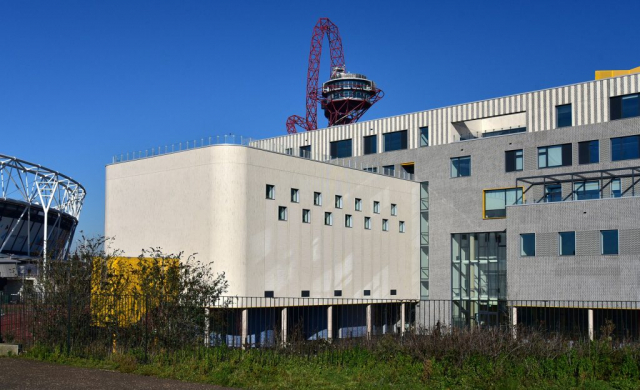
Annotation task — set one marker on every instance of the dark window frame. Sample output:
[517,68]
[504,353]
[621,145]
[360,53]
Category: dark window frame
[564,119]
[589,152]
[338,149]
[391,145]
[566,154]
[370,144]
[621,150]
[511,158]
[459,168]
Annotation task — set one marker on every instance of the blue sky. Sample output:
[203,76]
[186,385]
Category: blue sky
[81,81]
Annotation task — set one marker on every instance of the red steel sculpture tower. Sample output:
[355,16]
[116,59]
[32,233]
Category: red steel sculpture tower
[345,97]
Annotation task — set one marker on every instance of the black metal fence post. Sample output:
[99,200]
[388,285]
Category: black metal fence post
[146,328]
[69,323]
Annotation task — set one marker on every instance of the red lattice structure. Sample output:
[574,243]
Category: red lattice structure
[345,97]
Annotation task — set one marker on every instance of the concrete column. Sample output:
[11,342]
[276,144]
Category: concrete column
[369,323]
[514,322]
[207,321]
[283,319]
[590,321]
[329,322]
[402,318]
[245,327]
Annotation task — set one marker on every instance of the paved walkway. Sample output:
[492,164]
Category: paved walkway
[29,374]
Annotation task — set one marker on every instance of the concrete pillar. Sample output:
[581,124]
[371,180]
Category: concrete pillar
[207,323]
[245,327]
[369,322]
[402,318]
[329,322]
[284,324]
[590,321]
[514,322]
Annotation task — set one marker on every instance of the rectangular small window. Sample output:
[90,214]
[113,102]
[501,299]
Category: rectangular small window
[317,199]
[341,149]
[385,225]
[567,243]
[609,242]
[513,160]
[395,141]
[358,204]
[552,193]
[554,156]
[268,294]
[616,188]
[282,213]
[371,169]
[289,151]
[424,136]
[338,201]
[625,148]
[586,190]
[337,293]
[528,244]
[328,219]
[388,170]
[367,293]
[305,294]
[563,114]
[295,195]
[589,152]
[393,292]
[394,209]
[271,191]
[348,221]
[461,166]
[496,201]
[401,227]
[305,151]
[370,144]
[627,106]
[367,223]
[376,207]
[306,216]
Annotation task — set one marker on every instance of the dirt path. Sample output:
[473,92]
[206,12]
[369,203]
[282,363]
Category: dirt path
[28,374]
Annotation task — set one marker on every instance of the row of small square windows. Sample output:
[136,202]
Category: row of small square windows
[283,215]
[317,200]
[567,243]
[336,293]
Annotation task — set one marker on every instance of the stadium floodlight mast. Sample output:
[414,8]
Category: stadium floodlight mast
[40,187]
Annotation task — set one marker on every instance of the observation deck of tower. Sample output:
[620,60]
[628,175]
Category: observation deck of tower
[344,93]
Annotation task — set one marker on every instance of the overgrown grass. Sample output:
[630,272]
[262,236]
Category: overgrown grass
[452,359]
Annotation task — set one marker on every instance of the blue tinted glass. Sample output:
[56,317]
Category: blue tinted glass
[609,242]
[625,148]
[371,144]
[630,106]
[586,190]
[461,166]
[395,141]
[616,189]
[424,136]
[564,115]
[553,193]
[594,152]
[528,244]
[305,151]
[567,243]
[341,149]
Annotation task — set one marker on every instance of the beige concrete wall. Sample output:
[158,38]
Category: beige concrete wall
[212,201]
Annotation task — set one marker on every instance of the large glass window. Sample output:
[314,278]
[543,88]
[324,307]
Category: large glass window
[616,188]
[395,141]
[461,166]
[609,242]
[513,160]
[370,144]
[563,114]
[528,244]
[341,149]
[424,136]
[554,156]
[589,152]
[625,148]
[496,201]
[585,190]
[626,106]
[305,151]
[552,193]
[567,243]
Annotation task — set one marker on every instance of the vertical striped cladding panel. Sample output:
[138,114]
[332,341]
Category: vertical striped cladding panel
[590,104]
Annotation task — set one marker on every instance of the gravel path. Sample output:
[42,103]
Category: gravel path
[28,374]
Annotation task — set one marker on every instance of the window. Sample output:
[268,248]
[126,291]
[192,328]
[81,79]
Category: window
[496,201]
[616,188]
[367,293]
[367,223]
[393,292]
[388,170]
[338,201]
[589,152]
[348,221]
[567,243]
[461,166]
[424,136]
[337,293]
[609,242]
[341,149]
[394,209]
[625,148]
[317,199]
[621,107]
[552,193]
[282,213]
[289,151]
[268,294]
[306,216]
[305,151]
[371,169]
[401,227]
[328,219]
[513,160]
[585,190]
[528,244]
[563,114]
[554,156]
[376,207]
[409,168]
[305,294]
[358,204]
[271,191]
[385,225]
[295,195]
[395,141]
[370,144]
